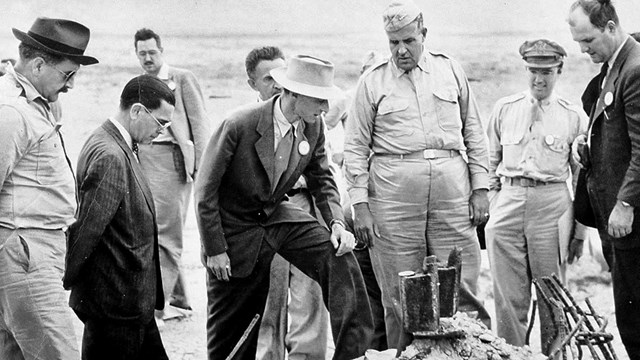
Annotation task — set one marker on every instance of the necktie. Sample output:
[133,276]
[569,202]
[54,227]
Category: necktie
[536,113]
[283,152]
[603,73]
[134,148]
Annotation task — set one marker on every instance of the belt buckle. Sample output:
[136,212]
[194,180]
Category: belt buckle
[428,154]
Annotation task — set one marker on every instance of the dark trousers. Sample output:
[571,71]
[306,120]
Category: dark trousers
[233,304]
[626,295]
[109,340]
[379,338]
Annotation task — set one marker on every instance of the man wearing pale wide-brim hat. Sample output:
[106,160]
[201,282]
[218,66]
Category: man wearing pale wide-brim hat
[37,192]
[244,216]
[416,195]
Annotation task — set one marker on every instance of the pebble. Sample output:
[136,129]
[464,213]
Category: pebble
[486,338]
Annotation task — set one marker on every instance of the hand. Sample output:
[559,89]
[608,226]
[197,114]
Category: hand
[579,141]
[576,246]
[365,229]
[620,220]
[479,207]
[220,265]
[341,239]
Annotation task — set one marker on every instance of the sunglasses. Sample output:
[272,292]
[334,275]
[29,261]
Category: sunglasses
[67,75]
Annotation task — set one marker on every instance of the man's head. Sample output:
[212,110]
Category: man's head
[543,61]
[406,33]
[308,85]
[51,53]
[258,64]
[595,27]
[148,50]
[146,107]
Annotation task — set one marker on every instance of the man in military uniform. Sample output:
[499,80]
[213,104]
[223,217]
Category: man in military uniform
[530,135]
[416,195]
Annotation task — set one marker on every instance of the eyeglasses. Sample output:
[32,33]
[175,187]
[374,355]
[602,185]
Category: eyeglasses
[162,126]
[67,75]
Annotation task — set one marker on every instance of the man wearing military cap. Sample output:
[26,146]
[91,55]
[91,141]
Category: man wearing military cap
[416,195]
[530,135]
[37,192]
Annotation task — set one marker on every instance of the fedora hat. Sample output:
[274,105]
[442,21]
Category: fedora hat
[309,76]
[59,37]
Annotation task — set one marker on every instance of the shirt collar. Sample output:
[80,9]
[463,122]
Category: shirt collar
[613,57]
[29,91]
[163,74]
[544,102]
[423,64]
[281,121]
[125,134]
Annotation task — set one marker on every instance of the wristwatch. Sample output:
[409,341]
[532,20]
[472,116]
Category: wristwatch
[337,221]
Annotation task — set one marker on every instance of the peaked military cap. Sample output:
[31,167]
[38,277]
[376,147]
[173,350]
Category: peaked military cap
[399,14]
[542,53]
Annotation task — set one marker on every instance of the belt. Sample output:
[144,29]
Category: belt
[163,143]
[295,191]
[525,182]
[424,154]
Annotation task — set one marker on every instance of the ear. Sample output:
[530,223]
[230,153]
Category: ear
[611,26]
[134,111]
[252,83]
[37,66]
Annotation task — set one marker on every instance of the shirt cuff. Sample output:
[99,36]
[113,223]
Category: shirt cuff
[479,181]
[359,195]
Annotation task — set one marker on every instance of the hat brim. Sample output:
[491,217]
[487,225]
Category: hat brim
[80,59]
[318,92]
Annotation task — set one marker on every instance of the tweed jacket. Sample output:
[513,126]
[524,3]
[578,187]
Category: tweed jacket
[614,173]
[112,264]
[233,196]
[190,124]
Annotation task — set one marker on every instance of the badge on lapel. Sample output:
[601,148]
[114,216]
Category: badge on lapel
[608,98]
[549,139]
[171,85]
[303,147]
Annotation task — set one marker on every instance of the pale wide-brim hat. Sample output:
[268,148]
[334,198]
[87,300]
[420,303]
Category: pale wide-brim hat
[60,37]
[309,76]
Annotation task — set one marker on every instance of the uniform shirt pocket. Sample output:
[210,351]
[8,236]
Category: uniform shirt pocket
[50,161]
[447,108]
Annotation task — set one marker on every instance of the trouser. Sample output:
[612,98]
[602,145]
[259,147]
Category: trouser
[523,244]
[233,304]
[306,336]
[421,207]
[35,320]
[624,263]
[109,340]
[163,165]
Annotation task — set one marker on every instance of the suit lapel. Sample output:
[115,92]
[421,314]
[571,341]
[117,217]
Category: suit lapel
[133,163]
[612,78]
[264,145]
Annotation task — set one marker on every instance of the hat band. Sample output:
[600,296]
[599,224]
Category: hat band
[55,45]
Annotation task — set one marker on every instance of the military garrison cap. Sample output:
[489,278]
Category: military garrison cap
[399,14]
[542,53]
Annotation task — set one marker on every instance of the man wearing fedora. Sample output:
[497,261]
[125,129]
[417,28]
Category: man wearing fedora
[528,234]
[253,159]
[414,194]
[294,298]
[37,192]
[170,163]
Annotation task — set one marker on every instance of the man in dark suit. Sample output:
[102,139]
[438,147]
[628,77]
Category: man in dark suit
[170,163]
[244,216]
[611,155]
[112,265]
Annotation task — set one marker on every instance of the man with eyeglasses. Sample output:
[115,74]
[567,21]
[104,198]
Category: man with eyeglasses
[37,192]
[113,266]
[170,163]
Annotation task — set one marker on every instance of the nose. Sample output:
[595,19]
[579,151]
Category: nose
[402,50]
[583,48]
[277,86]
[147,57]
[324,106]
[70,82]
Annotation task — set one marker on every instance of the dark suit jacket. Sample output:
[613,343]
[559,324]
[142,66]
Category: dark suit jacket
[233,194]
[112,264]
[614,173]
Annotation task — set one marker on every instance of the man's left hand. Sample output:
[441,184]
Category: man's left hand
[620,220]
[479,207]
[341,239]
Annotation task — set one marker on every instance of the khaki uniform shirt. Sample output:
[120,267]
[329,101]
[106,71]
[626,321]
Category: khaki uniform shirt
[538,149]
[393,112]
